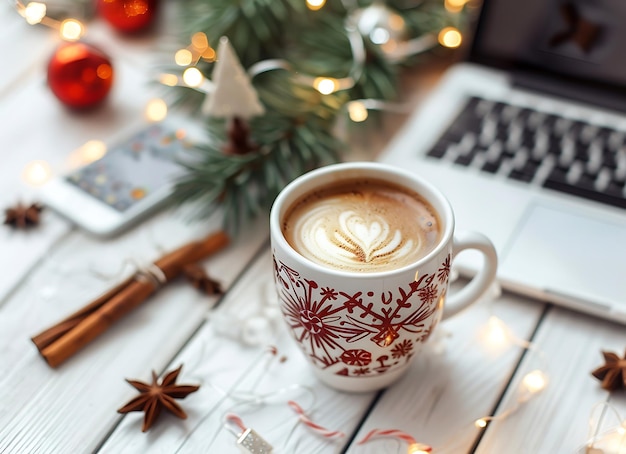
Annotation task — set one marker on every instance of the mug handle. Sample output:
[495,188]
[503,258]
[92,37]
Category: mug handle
[479,283]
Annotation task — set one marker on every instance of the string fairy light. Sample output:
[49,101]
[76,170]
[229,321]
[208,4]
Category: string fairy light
[532,383]
[36,13]
[315,5]
[188,58]
[171,80]
[193,77]
[605,441]
[156,110]
[455,6]
[183,57]
[387,39]
[358,110]
[326,85]
[265,358]
[37,173]
[198,49]
[450,37]
[90,151]
[71,30]
[496,335]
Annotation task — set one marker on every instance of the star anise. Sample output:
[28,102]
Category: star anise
[198,277]
[156,396]
[21,216]
[613,373]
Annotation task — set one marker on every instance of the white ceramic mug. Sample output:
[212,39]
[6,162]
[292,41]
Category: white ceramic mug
[360,331]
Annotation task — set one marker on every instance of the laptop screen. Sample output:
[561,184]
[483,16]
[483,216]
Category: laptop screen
[581,40]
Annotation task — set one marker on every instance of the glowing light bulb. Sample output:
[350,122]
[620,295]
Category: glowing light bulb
[209,54]
[193,77]
[357,111]
[34,12]
[71,30]
[36,173]
[418,448]
[156,110]
[183,57]
[396,22]
[171,80]
[93,150]
[611,442]
[90,151]
[450,37]
[481,423]
[325,85]
[496,332]
[454,6]
[200,41]
[534,381]
[315,5]
[180,134]
[379,35]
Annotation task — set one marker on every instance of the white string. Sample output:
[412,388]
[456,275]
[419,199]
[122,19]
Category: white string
[596,433]
[260,401]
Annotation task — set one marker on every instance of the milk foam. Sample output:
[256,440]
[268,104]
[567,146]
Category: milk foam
[373,228]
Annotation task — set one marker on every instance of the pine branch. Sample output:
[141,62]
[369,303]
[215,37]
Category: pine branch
[243,185]
[296,132]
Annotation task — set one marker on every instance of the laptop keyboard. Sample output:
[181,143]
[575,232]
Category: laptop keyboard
[538,148]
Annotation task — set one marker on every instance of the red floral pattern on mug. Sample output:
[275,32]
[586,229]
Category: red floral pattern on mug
[356,357]
[322,319]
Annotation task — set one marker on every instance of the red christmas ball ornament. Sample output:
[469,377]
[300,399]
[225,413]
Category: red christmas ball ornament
[80,75]
[128,15]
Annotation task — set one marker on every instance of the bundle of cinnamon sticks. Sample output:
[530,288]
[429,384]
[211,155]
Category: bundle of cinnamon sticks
[61,341]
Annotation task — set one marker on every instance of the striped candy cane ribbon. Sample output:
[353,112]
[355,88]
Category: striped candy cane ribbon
[236,420]
[248,441]
[313,426]
[414,446]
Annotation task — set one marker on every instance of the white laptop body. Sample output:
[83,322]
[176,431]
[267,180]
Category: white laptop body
[553,246]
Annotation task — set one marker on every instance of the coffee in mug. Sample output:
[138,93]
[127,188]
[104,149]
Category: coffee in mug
[362,254]
[363,225]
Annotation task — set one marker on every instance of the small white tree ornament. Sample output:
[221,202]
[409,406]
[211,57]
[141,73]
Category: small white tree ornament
[233,94]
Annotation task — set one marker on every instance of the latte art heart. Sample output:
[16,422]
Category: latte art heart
[368,229]
[367,240]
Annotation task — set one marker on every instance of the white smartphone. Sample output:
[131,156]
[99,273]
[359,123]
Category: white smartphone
[130,181]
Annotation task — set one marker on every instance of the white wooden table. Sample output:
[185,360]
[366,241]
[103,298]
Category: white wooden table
[53,270]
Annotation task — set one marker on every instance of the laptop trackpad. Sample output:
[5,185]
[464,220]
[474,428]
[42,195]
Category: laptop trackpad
[569,254]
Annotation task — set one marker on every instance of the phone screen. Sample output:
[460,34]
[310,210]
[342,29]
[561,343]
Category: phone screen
[131,171]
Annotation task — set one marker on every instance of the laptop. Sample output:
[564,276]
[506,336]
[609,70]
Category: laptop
[527,139]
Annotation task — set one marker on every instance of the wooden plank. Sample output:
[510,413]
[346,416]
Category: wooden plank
[446,390]
[557,419]
[72,408]
[245,380]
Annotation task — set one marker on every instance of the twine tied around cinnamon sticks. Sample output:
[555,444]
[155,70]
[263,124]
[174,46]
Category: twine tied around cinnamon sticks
[61,341]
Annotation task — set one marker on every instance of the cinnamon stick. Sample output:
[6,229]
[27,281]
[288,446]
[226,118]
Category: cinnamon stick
[59,342]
